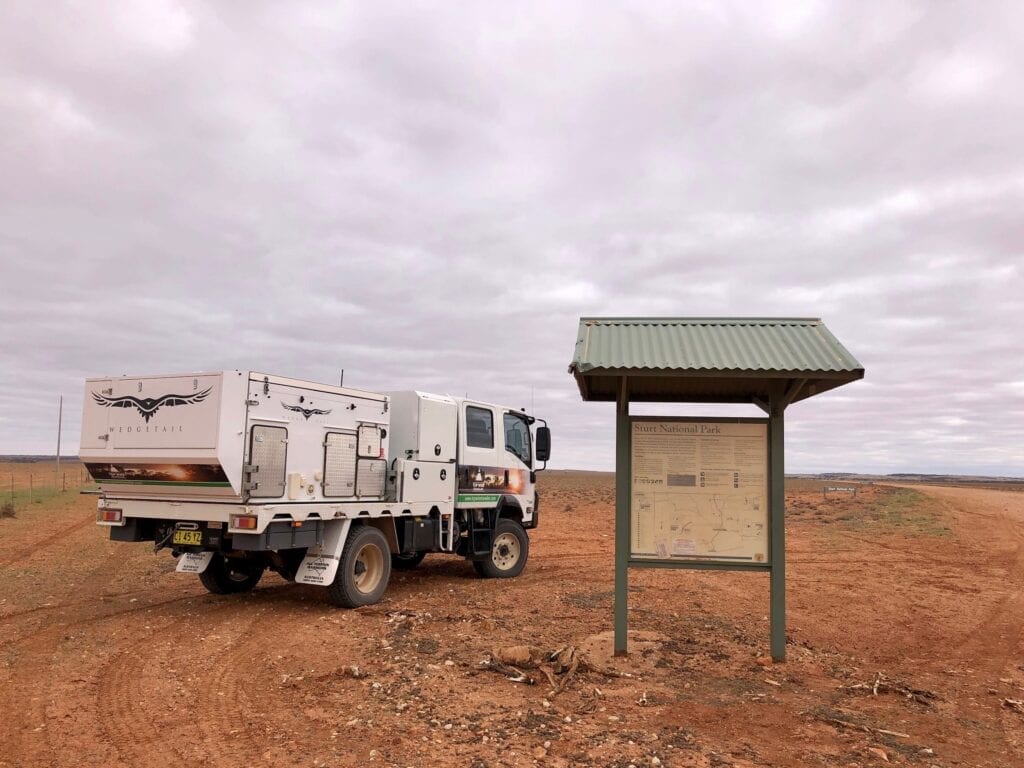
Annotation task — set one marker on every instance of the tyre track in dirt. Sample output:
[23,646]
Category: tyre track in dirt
[124,721]
[984,518]
[210,658]
[82,617]
[46,541]
[224,709]
[35,680]
[993,641]
[134,697]
[998,639]
[128,703]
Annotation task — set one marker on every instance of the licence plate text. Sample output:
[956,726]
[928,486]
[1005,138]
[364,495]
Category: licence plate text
[189,538]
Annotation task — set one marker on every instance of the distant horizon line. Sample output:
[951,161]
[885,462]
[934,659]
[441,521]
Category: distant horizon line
[30,457]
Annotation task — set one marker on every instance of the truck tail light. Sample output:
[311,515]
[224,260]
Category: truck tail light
[109,516]
[245,522]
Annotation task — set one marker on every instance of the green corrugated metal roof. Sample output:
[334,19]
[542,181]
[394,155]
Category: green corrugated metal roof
[725,359]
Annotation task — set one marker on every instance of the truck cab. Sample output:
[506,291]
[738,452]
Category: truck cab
[496,461]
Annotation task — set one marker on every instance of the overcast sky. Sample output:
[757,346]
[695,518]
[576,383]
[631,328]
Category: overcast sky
[431,195]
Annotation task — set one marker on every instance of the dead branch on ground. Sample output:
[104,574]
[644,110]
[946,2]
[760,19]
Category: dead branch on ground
[560,666]
[839,723]
[514,674]
[885,684]
[1017,705]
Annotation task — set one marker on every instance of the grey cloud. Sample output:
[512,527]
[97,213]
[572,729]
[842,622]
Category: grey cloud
[430,198]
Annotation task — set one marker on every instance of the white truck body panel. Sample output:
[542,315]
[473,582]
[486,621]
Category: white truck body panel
[165,435]
[425,480]
[191,437]
[305,415]
[424,426]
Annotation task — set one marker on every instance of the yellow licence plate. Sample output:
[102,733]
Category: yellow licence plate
[189,538]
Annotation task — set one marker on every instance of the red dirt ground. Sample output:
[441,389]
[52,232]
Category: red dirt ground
[109,658]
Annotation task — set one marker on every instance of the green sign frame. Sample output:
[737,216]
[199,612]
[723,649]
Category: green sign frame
[776,564]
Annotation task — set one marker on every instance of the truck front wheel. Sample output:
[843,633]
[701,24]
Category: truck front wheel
[364,569]
[227,576]
[509,551]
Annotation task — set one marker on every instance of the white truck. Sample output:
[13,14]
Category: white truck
[236,472]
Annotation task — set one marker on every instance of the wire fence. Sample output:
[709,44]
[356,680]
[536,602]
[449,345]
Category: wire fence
[22,487]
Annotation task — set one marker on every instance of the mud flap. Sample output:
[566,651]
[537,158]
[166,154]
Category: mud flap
[320,565]
[194,562]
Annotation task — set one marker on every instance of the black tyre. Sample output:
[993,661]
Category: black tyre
[407,562]
[227,576]
[509,551]
[364,569]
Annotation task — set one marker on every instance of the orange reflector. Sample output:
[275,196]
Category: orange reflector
[243,521]
[110,515]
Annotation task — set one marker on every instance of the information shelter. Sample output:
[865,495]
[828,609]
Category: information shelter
[704,493]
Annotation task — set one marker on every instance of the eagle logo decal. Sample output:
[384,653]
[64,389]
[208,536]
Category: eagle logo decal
[307,412]
[148,406]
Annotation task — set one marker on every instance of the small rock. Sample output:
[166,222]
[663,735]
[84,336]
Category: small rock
[879,753]
[764,661]
[539,752]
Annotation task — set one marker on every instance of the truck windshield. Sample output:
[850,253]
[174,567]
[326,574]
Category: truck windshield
[517,437]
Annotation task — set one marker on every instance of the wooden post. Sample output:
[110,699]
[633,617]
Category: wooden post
[60,418]
[623,473]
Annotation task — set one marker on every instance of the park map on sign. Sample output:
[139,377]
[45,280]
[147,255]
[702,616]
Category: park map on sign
[699,491]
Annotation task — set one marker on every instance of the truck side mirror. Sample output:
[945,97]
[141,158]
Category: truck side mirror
[543,444]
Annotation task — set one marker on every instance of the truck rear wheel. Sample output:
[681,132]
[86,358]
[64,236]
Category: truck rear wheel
[364,569]
[509,551]
[227,576]
[407,562]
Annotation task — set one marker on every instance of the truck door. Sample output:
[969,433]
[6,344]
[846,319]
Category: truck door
[518,457]
[481,474]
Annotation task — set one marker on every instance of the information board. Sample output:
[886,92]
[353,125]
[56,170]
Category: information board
[699,490]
